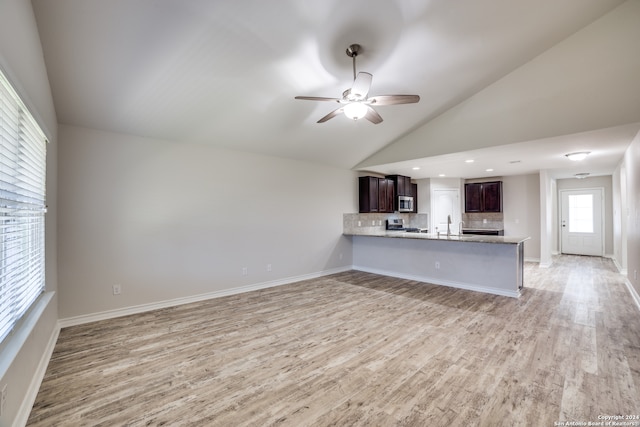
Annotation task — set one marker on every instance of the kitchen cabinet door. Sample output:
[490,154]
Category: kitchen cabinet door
[414,194]
[369,194]
[492,196]
[386,195]
[473,197]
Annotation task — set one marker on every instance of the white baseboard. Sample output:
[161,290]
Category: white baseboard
[621,270]
[435,281]
[32,392]
[110,314]
[633,292]
[527,259]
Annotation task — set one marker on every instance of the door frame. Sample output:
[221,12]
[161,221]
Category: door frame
[602,219]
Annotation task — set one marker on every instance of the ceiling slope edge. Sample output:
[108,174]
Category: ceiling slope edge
[584,83]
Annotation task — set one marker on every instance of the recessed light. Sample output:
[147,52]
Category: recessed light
[576,157]
[489,170]
[469,161]
[416,168]
[441,175]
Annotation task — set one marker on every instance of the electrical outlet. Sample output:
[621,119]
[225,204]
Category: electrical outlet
[117,289]
[3,399]
[268,267]
[437,265]
[245,271]
[359,223]
[635,274]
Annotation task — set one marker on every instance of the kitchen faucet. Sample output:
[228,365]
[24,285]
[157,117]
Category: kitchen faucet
[448,225]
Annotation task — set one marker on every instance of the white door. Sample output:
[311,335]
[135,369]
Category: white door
[581,222]
[445,204]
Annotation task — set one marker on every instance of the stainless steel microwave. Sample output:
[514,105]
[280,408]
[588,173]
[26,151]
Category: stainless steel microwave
[405,204]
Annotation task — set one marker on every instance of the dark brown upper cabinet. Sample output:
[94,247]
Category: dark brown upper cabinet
[386,195]
[376,194]
[402,184]
[414,194]
[483,197]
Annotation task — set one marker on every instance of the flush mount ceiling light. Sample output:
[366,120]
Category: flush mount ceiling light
[581,175]
[576,157]
[416,168]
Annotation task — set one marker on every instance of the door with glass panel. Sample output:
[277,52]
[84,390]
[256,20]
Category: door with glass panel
[581,220]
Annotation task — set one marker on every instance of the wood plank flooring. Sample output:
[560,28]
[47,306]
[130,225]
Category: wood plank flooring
[360,349]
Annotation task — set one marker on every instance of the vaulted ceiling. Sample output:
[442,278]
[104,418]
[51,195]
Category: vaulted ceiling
[535,77]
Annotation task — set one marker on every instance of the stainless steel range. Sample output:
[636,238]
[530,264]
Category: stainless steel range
[397,224]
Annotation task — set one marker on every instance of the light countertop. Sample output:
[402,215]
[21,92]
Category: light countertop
[431,236]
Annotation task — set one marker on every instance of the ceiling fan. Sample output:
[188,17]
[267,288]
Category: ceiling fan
[355,102]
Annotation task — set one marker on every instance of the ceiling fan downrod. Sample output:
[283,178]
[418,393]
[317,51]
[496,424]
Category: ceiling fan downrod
[352,52]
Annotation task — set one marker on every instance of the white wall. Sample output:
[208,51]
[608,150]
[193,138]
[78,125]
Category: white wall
[631,164]
[170,220]
[521,211]
[23,356]
[604,182]
[620,210]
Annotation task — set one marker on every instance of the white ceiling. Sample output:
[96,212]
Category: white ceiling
[226,72]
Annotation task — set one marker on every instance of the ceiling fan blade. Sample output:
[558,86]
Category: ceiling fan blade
[361,85]
[317,98]
[331,115]
[393,99]
[373,116]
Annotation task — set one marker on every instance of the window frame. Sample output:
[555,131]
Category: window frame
[23,147]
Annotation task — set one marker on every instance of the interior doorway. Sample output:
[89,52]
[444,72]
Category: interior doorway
[581,222]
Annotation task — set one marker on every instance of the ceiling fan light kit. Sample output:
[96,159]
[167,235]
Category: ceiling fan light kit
[355,103]
[355,110]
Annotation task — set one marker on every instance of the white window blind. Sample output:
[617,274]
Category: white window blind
[22,208]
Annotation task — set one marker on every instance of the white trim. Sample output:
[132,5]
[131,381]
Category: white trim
[633,292]
[621,270]
[110,314]
[17,339]
[602,216]
[32,392]
[528,259]
[494,291]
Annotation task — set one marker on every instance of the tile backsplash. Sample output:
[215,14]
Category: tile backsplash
[480,220]
[377,221]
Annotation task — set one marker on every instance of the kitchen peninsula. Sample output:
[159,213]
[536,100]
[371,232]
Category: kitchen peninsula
[491,264]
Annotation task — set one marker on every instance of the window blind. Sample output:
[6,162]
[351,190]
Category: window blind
[22,208]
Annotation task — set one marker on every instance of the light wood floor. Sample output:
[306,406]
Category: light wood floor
[360,349]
